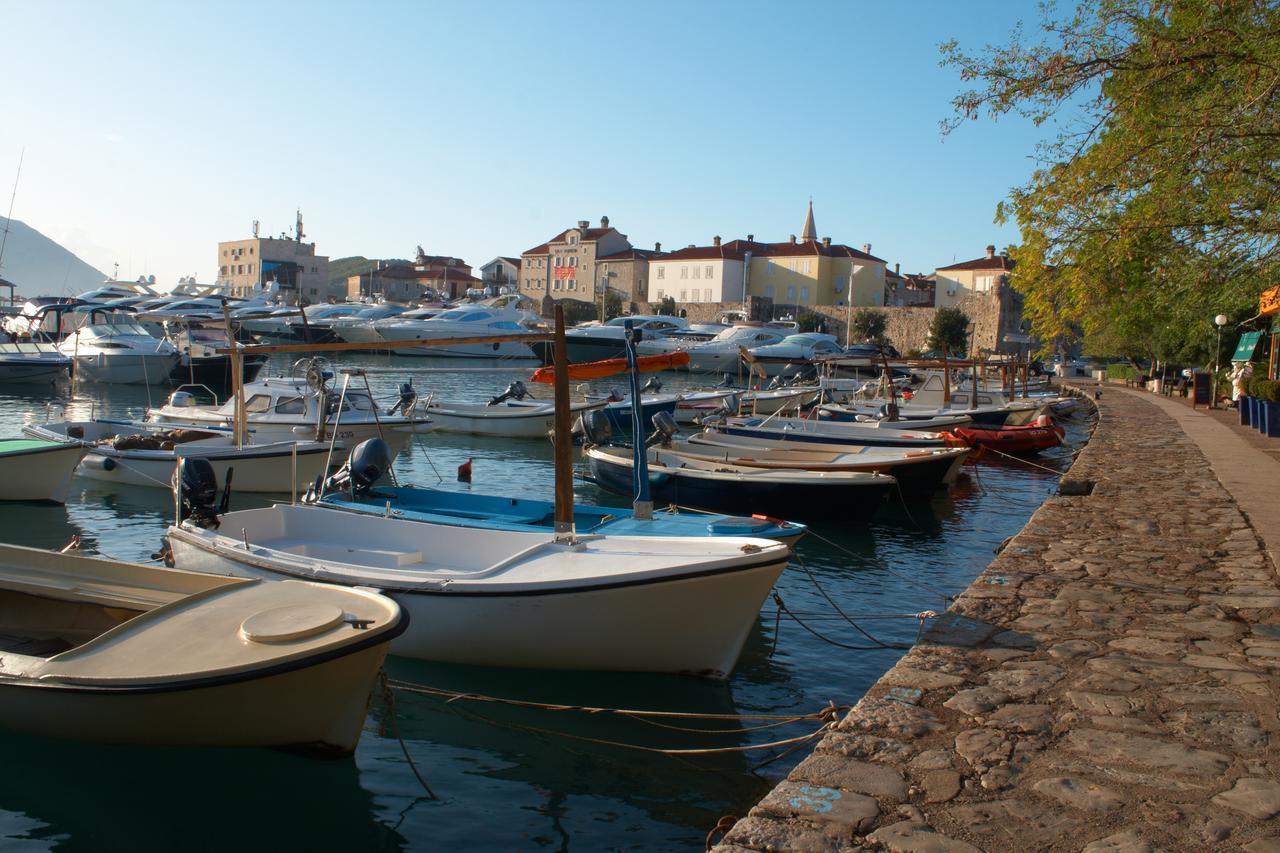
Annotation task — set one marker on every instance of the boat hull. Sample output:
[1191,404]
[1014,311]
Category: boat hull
[320,707]
[39,475]
[150,369]
[695,625]
[256,469]
[31,373]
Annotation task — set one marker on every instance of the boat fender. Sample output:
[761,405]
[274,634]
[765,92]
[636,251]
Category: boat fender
[102,463]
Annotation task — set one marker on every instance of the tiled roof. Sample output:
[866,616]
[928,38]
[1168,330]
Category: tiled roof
[726,251]
[633,254]
[800,247]
[588,235]
[999,262]
[513,261]
[545,248]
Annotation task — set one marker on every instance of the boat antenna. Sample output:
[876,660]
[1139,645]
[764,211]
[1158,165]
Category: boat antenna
[4,239]
[564,438]
[641,503]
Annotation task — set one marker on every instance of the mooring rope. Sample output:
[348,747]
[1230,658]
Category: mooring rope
[947,599]
[389,700]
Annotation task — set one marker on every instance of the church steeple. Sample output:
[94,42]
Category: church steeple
[810,231]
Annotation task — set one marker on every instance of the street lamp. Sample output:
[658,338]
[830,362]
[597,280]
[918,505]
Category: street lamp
[848,301]
[1219,321]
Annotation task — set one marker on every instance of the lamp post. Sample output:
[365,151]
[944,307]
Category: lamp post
[848,301]
[1219,322]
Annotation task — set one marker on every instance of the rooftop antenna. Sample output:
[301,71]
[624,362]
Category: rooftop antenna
[298,228]
[4,239]
[255,229]
[116,275]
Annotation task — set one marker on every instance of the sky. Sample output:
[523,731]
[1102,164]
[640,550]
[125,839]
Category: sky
[153,130]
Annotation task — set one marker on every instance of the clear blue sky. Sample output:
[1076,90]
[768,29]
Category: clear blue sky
[154,130]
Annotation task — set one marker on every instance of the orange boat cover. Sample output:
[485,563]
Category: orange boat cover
[613,366]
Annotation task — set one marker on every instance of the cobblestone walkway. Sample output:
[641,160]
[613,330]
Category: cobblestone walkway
[1109,683]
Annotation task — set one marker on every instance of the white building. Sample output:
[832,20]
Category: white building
[715,273]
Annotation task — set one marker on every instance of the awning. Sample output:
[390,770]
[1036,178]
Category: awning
[1248,343]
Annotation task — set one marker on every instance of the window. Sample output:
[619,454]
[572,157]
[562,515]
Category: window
[604,268]
[573,261]
[804,266]
[710,271]
[768,291]
[659,289]
[684,272]
[770,264]
[695,295]
[791,265]
[697,272]
[291,406]
[251,250]
[791,294]
[684,296]
[804,294]
[250,269]
[662,273]
[982,283]
[557,260]
[706,293]
[573,239]
[258,403]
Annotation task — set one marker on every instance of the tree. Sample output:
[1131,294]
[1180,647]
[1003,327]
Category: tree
[612,304]
[667,306]
[868,325]
[811,321]
[1156,205]
[949,331]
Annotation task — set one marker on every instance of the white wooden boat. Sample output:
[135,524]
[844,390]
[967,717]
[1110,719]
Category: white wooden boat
[877,434]
[508,418]
[507,598]
[37,470]
[141,454]
[117,652]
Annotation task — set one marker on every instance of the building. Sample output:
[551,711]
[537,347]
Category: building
[568,265]
[627,273]
[427,277]
[303,275]
[979,276]
[501,272]
[715,273]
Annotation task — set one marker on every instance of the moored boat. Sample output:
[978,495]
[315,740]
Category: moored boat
[1040,434]
[37,470]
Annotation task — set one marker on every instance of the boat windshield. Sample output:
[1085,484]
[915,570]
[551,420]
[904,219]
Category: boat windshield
[463,315]
[110,330]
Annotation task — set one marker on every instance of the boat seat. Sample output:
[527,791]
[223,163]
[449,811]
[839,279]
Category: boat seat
[381,558]
[40,647]
[508,517]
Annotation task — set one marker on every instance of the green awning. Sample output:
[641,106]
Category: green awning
[1248,343]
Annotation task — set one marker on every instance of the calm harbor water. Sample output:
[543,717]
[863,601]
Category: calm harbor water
[506,777]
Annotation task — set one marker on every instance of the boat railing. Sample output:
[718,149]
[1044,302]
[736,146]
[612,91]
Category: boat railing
[191,388]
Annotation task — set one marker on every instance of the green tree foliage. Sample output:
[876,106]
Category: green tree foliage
[612,305]
[810,320]
[667,306]
[868,326]
[1154,208]
[949,331]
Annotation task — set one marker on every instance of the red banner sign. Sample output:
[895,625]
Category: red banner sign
[566,272]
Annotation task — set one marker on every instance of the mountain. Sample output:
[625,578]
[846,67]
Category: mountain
[41,267]
[341,268]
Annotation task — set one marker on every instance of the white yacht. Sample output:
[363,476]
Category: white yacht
[118,351]
[341,327]
[721,353]
[465,321]
[373,331]
[794,353]
[599,341]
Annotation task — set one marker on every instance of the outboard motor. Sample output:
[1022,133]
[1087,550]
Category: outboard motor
[594,426]
[365,466]
[775,384]
[726,382]
[654,384]
[616,395]
[664,427]
[516,390]
[408,399]
[198,492]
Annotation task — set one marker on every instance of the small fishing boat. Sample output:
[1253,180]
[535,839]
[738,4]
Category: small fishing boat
[494,512]
[115,652]
[1041,434]
[142,454]
[37,470]
[839,413]
[605,368]
[723,487]
[878,434]
[509,414]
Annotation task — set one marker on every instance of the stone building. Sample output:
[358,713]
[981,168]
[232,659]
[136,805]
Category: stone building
[501,272]
[981,275]
[303,275]
[567,265]
[627,273]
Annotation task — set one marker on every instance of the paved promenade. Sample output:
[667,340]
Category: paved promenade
[1110,683]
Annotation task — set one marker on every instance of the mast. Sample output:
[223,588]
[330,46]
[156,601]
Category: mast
[237,385]
[8,220]
[641,504]
[563,438]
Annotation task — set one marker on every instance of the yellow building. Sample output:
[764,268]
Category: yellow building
[809,271]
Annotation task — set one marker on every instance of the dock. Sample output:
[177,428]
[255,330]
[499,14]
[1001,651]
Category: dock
[1110,682]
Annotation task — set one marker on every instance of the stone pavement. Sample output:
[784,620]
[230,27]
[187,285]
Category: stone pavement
[1109,683]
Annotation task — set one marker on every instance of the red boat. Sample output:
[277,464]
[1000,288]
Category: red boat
[614,366]
[1040,434]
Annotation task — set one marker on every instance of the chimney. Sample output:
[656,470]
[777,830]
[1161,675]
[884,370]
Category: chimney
[584,224]
[657,247]
[991,251]
[793,239]
[604,222]
[691,246]
[715,241]
[826,241]
[751,238]
[896,267]
[866,247]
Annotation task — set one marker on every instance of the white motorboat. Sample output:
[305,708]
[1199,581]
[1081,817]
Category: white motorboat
[869,413]
[510,418]
[877,434]
[721,354]
[793,353]
[32,364]
[37,470]
[108,651]
[600,341]
[141,454]
[508,598]
[465,321]
[288,408]
[342,327]
[118,353]
[372,331]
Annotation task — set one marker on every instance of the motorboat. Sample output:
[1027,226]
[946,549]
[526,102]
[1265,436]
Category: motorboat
[108,651]
[493,512]
[342,328]
[888,413]
[37,470]
[372,331]
[465,321]
[739,489]
[793,354]
[721,353]
[199,362]
[142,454]
[513,598]
[289,408]
[1040,434]
[32,364]
[600,341]
[777,428]
[917,470]
[118,351]
[511,414]
[694,406]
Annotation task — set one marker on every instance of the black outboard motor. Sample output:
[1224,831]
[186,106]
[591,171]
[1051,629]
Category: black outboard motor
[726,382]
[516,390]
[408,398]
[594,426]
[365,466]
[664,427]
[654,384]
[198,492]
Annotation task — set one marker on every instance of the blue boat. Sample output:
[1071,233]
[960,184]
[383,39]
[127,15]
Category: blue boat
[493,512]
[621,417]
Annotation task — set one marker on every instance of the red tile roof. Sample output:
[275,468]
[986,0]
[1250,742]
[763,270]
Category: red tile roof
[588,235]
[737,249]
[633,254]
[999,262]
